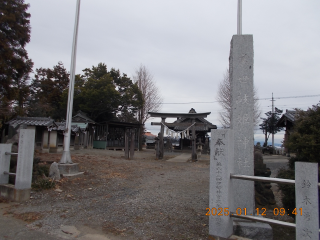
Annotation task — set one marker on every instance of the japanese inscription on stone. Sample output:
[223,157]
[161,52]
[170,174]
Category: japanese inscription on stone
[221,161]
[25,159]
[241,76]
[307,218]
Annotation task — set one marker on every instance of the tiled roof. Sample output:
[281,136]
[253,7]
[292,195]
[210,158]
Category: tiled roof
[207,127]
[32,121]
[289,116]
[61,126]
[82,117]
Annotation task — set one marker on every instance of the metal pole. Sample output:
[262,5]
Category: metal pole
[239,29]
[66,157]
[272,124]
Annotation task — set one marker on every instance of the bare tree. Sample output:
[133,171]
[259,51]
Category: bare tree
[150,93]
[225,100]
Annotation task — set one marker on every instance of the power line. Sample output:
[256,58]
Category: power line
[305,96]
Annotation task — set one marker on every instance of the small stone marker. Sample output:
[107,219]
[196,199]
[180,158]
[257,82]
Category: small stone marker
[307,212]
[4,162]
[25,159]
[54,172]
[241,76]
[220,191]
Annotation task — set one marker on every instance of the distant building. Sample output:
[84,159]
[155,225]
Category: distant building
[149,139]
[201,130]
[287,121]
[85,133]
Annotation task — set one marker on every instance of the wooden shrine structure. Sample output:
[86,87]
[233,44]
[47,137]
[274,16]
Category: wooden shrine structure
[193,120]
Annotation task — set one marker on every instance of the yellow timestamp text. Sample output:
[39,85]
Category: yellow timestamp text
[259,211]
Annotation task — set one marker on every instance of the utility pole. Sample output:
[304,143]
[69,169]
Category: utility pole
[272,115]
[239,23]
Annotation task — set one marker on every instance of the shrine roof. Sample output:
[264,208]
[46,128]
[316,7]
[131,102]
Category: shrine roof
[61,126]
[82,117]
[32,121]
[289,115]
[183,121]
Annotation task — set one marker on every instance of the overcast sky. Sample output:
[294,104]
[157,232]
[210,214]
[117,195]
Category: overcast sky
[185,44]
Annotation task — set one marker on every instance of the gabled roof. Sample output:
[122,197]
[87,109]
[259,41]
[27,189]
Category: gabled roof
[32,121]
[82,118]
[61,126]
[288,116]
[207,127]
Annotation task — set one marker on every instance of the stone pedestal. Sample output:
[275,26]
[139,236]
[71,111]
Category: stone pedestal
[8,191]
[69,170]
[252,230]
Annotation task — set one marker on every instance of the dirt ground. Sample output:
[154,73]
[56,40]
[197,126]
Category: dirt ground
[120,199]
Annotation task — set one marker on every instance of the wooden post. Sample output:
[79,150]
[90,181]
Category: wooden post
[194,154]
[126,144]
[132,143]
[161,139]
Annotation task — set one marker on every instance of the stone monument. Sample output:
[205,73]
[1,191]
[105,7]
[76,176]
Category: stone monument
[221,196]
[241,76]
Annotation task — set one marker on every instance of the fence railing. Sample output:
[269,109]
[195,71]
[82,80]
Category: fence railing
[281,181]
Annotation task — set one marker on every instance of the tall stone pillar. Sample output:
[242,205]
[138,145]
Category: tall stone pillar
[241,76]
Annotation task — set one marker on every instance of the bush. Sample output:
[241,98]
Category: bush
[39,170]
[44,183]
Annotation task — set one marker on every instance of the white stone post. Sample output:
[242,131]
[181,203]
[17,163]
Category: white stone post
[241,76]
[4,162]
[220,191]
[25,159]
[307,200]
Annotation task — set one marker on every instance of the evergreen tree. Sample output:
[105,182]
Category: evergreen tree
[269,124]
[15,65]
[46,92]
[105,95]
[304,141]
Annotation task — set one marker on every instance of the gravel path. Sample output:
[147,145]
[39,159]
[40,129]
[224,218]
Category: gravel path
[124,199]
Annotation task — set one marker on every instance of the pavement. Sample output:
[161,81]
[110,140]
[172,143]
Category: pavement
[275,162]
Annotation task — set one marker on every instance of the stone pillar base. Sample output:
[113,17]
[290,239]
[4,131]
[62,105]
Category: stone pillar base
[252,230]
[8,191]
[248,230]
[69,170]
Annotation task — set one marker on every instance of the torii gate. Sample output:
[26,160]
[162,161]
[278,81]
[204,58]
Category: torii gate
[163,116]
